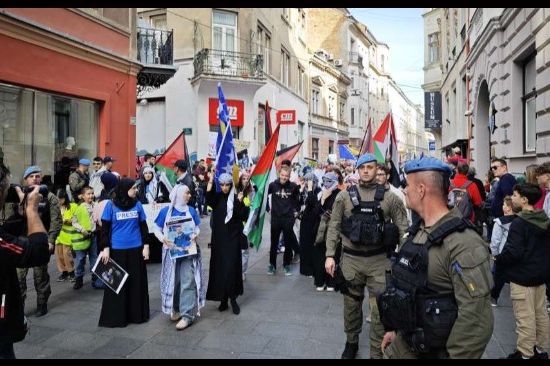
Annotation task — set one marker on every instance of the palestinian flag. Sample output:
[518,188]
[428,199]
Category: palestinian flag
[165,163]
[267,127]
[288,153]
[260,178]
[385,147]
[367,145]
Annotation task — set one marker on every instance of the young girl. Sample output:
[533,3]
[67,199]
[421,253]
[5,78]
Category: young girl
[63,243]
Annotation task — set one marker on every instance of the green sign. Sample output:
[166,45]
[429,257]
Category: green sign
[188,131]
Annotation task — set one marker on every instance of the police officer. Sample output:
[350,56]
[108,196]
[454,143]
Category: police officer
[358,218]
[50,214]
[442,271]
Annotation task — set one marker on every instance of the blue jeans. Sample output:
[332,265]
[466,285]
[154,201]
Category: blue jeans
[186,287]
[6,351]
[81,258]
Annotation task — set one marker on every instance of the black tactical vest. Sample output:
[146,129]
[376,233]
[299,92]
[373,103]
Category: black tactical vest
[409,304]
[365,226]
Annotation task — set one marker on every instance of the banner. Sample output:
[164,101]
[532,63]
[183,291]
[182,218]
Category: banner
[432,108]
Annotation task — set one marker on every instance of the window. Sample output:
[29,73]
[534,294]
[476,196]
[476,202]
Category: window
[301,80]
[264,47]
[352,116]
[159,22]
[382,62]
[46,130]
[528,99]
[330,147]
[315,148]
[285,67]
[447,107]
[433,48]
[315,94]
[224,31]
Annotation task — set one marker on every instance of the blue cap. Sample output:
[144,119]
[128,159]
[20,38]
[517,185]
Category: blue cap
[365,158]
[86,162]
[426,164]
[30,170]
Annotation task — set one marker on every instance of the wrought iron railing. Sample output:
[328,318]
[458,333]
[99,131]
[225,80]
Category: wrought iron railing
[355,57]
[155,46]
[228,63]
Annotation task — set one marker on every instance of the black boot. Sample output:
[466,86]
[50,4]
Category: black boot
[235,307]
[223,305]
[41,310]
[78,283]
[539,355]
[350,351]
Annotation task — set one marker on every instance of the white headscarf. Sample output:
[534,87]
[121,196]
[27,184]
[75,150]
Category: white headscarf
[152,186]
[177,200]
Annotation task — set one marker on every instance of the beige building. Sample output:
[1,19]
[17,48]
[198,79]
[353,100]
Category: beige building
[493,74]
[327,110]
[257,54]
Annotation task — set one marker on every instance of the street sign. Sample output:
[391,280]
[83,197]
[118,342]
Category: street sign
[187,131]
[286,117]
[431,145]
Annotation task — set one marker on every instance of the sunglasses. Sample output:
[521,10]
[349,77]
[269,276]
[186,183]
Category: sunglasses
[495,167]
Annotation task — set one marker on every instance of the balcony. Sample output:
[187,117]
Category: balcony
[155,51]
[228,64]
[356,58]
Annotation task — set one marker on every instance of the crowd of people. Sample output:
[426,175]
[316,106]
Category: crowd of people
[439,240]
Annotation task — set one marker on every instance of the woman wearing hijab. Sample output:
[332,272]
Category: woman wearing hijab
[228,214]
[309,222]
[326,200]
[181,279]
[123,234]
[152,190]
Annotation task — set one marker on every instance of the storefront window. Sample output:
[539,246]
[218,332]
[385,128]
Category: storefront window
[47,130]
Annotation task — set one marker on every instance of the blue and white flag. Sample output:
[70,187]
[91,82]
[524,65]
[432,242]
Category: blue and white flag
[223,117]
[345,153]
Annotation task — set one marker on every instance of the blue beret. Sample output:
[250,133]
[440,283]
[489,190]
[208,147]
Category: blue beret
[86,162]
[30,170]
[425,164]
[365,158]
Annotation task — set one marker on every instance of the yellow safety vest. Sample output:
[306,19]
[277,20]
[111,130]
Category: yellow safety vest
[65,237]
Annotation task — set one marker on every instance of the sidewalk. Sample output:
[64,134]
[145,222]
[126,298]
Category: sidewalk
[281,317]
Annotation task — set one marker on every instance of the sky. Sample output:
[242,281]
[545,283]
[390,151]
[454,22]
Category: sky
[402,30]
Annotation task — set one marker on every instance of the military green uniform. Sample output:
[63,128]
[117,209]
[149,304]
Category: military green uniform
[473,327]
[53,222]
[361,271]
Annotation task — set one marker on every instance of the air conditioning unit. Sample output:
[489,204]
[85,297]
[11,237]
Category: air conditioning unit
[330,57]
[338,62]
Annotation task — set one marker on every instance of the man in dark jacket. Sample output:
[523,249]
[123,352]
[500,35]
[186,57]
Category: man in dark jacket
[184,177]
[525,260]
[15,252]
[504,187]
[285,206]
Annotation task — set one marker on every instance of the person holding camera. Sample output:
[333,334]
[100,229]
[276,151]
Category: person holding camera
[361,219]
[18,251]
[50,214]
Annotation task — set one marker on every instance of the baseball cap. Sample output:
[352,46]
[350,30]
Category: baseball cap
[108,159]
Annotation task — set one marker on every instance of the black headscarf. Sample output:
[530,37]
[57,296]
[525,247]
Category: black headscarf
[120,194]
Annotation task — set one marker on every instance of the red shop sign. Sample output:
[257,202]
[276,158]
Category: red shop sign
[286,117]
[234,107]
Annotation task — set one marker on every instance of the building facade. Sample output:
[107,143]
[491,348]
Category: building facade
[494,82]
[67,88]
[257,55]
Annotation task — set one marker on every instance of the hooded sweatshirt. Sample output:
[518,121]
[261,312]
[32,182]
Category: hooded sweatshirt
[525,258]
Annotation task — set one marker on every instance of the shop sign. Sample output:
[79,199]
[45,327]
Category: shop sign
[286,117]
[235,108]
[432,106]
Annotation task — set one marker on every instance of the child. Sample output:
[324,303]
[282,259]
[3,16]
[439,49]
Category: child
[84,239]
[525,260]
[63,243]
[498,239]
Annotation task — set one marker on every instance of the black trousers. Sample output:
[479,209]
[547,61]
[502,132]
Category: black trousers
[499,281]
[285,225]
[6,351]
[320,276]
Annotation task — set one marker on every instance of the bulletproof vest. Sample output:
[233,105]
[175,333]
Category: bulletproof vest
[365,226]
[409,304]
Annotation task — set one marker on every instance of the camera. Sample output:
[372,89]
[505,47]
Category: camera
[12,196]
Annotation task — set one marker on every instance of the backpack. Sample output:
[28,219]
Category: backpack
[460,197]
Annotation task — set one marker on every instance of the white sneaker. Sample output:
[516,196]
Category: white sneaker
[182,324]
[330,289]
[320,288]
[175,316]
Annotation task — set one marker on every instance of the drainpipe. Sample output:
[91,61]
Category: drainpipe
[469,117]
